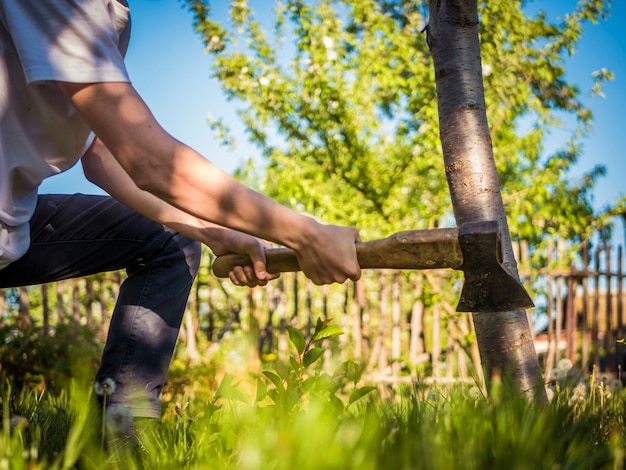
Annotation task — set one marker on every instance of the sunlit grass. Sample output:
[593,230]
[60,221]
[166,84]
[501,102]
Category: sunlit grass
[443,430]
[295,414]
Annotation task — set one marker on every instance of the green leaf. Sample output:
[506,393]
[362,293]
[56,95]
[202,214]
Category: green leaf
[350,370]
[320,325]
[308,383]
[327,332]
[297,338]
[295,365]
[228,390]
[261,391]
[275,379]
[360,393]
[336,402]
[311,356]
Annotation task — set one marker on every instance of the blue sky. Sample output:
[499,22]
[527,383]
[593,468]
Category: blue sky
[168,66]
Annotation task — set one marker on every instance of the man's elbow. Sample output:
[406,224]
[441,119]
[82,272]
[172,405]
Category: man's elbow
[89,173]
[91,169]
[148,176]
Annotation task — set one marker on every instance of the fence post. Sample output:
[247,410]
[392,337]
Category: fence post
[619,347]
[295,289]
[416,347]
[46,310]
[560,278]
[358,304]
[550,352]
[596,318]
[396,313]
[25,319]
[609,337]
[436,344]
[571,326]
[584,356]
[384,322]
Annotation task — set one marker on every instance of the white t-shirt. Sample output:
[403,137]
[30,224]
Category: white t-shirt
[43,41]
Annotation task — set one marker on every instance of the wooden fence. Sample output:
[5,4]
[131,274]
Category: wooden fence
[401,326]
[584,305]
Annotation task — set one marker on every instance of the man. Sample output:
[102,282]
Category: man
[65,96]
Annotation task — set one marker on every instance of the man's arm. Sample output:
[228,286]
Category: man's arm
[102,169]
[175,173]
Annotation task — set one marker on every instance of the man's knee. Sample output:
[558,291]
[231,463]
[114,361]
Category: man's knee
[192,250]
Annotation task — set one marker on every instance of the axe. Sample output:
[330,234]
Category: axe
[474,248]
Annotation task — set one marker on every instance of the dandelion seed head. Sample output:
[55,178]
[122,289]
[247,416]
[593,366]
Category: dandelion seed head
[575,399]
[104,388]
[565,364]
[17,421]
[550,393]
[475,393]
[580,389]
[557,374]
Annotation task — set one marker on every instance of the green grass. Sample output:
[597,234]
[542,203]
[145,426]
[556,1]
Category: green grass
[297,415]
[443,430]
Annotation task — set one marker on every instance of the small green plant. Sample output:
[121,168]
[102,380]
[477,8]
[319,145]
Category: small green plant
[294,384]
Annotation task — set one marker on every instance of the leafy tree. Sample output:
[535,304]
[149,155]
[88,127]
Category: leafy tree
[335,104]
[339,96]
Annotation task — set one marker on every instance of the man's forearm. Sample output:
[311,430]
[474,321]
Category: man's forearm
[102,169]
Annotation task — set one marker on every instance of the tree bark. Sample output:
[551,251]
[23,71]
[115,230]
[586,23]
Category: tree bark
[504,338]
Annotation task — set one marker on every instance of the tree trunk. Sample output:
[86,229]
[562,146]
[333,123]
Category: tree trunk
[504,338]
[191,327]
[416,345]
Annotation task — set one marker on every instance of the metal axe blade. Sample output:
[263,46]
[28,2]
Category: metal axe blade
[488,285]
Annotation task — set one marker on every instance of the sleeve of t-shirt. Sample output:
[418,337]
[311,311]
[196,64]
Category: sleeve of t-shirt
[80,41]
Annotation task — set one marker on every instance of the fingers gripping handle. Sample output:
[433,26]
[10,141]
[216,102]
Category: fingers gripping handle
[278,260]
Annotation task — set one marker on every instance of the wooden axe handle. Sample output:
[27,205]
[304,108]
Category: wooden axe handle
[413,249]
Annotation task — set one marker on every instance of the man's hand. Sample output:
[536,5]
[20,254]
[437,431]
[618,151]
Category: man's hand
[329,254]
[225,241]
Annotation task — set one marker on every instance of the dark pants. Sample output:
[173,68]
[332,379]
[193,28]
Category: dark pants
[78,235]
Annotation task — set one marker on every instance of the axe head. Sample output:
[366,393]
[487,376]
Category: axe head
[488,285]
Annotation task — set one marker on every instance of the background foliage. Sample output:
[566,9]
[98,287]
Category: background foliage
[340,98]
